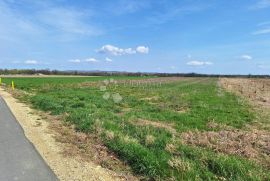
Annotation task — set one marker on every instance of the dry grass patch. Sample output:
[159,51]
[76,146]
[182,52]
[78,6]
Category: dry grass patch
[171,148]
[154,98]
[253,144]
[149,140]
[124,111]
[164,125]
[88,147]
[182,110]
[179,164]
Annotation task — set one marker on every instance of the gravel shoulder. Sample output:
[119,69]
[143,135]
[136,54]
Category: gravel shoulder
[19,159]
[43,138]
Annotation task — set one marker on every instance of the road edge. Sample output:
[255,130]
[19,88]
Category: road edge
[41,137]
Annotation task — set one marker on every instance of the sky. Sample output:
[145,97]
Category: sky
[201,36]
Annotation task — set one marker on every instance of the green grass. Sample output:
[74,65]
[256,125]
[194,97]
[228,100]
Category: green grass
[33,83]
[186,105]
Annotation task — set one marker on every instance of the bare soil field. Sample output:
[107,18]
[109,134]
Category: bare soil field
[252,142]
[257,91]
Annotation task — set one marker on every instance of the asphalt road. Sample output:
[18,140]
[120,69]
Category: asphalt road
[19,159]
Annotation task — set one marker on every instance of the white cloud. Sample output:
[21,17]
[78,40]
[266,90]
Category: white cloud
[198,63]
[75,61]
[116,51]
[208,63]
[142,49]
[246,57]
[129,51]
[113,50]
[173,67]
[108,59]
[31,62]
[262,31]
[91,60]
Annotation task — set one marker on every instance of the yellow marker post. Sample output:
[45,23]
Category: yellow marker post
[12,85]
[0,81]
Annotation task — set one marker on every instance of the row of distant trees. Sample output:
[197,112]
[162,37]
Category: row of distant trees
[116,73]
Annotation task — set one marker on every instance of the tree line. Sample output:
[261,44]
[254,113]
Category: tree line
[115,73]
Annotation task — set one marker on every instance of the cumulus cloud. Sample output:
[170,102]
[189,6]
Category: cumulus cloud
[113,50]
[198,63]
[108,59]
[142,49]
[31,62]
[116,51]
[91,60]
[246,57]
[129,51]
[75,60]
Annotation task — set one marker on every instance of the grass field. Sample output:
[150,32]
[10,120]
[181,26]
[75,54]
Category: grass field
[143,121]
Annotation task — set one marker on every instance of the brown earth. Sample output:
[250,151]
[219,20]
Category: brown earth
[253,144]
[253,141]
[257,91]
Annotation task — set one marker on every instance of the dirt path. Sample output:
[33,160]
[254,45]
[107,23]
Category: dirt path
[38,132]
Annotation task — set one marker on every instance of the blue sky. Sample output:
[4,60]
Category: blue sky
[203,36]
